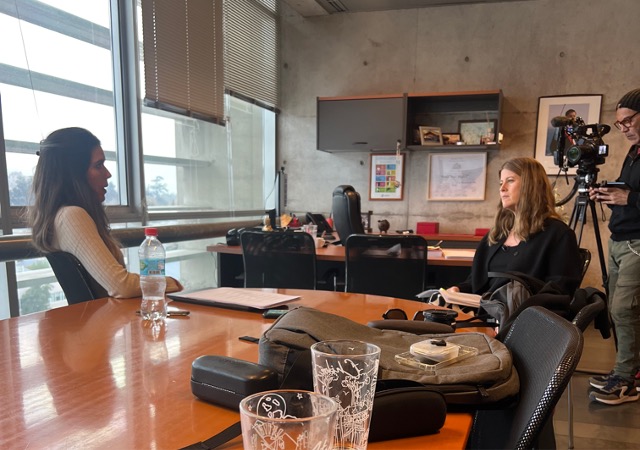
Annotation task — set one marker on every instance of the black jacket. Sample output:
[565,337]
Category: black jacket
[550,255]
[624,223]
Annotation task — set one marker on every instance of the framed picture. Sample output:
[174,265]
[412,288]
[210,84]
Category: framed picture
[451,138]
[430,136]
[478,132]
[457,176]
[386,180]
[586,106]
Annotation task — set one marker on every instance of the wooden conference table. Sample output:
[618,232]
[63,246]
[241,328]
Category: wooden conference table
[94,375]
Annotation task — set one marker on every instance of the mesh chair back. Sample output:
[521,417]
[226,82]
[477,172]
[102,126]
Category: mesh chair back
[546,349]
[585,256]
[394,266]
[76,283]
[275,259]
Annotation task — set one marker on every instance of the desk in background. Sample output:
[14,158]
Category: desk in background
[93,375]
[441,272]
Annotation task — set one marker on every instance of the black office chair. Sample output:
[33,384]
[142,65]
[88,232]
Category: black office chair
[274,259]
[78,286]
[546,349]
[347,219]
[394,266]
[591,305]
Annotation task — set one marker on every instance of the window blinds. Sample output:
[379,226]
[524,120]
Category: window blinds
[183,57]
[251,48]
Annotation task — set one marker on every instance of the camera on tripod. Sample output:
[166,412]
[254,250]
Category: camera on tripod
[586,149]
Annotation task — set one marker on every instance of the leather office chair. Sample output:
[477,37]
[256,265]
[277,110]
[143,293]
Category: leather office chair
[546,349]
[78,286]
[274,259]
[347,219]
[394,266]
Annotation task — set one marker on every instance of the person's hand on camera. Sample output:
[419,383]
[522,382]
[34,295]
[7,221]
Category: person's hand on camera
[611,196]
[453,289]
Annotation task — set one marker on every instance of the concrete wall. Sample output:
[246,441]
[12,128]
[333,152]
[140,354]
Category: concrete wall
[528,49]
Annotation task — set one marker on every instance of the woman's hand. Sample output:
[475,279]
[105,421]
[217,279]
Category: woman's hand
[453,289]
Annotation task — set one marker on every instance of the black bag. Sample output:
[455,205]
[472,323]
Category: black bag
[484,379]
[518,291]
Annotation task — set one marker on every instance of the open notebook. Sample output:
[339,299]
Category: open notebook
[454,298]
[244,299]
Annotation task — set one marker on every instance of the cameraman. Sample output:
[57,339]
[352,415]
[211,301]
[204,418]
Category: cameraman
[624,262]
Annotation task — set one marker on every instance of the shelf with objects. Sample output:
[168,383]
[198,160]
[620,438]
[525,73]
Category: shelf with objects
[453,121]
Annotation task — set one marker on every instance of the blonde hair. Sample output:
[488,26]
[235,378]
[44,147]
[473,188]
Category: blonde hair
[535,205]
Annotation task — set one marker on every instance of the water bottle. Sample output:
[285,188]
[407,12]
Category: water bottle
[152,281]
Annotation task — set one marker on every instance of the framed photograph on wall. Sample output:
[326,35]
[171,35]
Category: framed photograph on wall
[457,176]
[587,107]
[386,179]
[430,136]
[478,132]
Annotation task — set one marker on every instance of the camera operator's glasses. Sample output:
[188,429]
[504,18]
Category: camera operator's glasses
[626,122]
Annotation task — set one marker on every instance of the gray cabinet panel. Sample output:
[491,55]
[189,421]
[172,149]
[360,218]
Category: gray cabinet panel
[369,124]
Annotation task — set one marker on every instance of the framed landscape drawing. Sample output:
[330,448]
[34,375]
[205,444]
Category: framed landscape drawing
[457,176]
[386,179]
[587,107]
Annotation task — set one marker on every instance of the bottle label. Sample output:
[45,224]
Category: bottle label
[151,267]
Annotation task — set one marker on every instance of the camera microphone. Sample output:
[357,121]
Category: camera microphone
[561,121]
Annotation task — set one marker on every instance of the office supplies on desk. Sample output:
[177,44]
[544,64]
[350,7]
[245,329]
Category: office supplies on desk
[233,298]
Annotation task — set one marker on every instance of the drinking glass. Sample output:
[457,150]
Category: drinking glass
[347,372]
[288,420]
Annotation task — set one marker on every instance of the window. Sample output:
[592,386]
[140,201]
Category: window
[191,169]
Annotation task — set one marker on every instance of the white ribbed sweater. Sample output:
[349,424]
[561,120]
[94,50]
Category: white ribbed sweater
[76,233]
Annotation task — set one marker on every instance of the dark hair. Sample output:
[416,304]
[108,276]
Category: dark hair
[60,180]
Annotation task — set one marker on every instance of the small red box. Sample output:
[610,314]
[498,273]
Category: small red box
[427,228]
[481,231]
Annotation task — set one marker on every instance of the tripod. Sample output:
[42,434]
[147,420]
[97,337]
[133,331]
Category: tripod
[579,217]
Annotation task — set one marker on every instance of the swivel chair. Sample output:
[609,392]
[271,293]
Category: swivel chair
[546,349]
[278,259]
[76,283]
[346,212]
[394,266]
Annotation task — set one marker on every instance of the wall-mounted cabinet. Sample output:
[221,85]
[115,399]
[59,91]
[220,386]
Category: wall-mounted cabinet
[473,115]
[361,123]
[378,123]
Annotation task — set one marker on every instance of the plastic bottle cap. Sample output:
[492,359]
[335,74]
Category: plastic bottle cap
[150,231]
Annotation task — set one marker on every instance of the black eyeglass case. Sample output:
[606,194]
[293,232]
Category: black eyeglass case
[226,381]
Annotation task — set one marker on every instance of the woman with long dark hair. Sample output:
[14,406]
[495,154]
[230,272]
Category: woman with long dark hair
[69,188]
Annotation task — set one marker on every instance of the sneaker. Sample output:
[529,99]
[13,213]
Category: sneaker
[617,390]
[600,381]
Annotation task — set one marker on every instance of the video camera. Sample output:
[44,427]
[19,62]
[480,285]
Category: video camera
[586,150]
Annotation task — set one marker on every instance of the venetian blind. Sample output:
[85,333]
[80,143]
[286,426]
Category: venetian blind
[251,46]
[183,57]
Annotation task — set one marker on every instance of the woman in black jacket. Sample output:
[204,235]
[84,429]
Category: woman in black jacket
[527,236]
